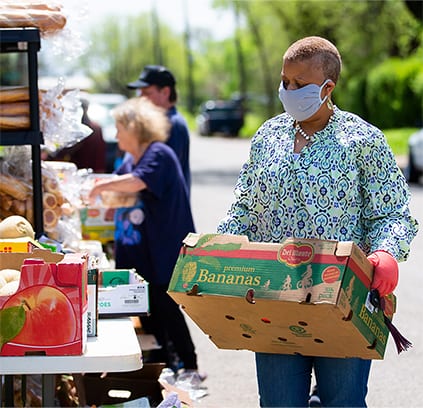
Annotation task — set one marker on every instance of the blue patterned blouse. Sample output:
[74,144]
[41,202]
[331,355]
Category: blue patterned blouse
[345,186]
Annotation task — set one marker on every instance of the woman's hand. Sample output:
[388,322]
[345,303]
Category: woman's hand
[385,275]
[95,192]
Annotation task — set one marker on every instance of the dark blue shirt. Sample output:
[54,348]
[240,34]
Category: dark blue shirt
[148,236]
[179,142]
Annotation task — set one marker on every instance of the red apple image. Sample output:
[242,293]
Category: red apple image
[49,316]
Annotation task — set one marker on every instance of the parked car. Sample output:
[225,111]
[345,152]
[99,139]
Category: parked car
[414,168]
[220,116]
[99,109]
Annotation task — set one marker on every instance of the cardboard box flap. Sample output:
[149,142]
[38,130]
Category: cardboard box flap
[344,248]
[193,239]
[70,270]
[14,260]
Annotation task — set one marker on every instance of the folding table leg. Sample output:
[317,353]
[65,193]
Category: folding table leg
[49,386]
[8,391]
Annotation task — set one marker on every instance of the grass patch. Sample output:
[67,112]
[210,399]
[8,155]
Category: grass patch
[398,139]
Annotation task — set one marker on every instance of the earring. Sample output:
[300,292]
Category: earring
[329,104]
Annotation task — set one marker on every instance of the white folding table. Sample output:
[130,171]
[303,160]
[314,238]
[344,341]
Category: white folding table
[116,348]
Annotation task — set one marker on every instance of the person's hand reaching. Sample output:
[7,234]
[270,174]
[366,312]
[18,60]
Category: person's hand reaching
[385,276]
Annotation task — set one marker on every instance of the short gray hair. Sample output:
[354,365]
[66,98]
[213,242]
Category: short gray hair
[322,51]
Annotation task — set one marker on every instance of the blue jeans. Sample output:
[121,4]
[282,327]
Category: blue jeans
[284,380]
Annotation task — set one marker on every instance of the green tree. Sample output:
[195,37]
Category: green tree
[121,48]
[367,33]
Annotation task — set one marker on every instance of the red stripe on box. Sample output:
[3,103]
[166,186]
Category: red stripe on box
[359,273]
[261,255]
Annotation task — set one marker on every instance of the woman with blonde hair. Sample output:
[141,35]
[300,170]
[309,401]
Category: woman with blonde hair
[148,235]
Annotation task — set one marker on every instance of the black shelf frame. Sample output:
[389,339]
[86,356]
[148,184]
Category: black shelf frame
[27,40]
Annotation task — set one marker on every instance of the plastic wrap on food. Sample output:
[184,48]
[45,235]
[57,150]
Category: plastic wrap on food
[70,42]
[15,181]
[60,118]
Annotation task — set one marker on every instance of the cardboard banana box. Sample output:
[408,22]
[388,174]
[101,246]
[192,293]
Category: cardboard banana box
[307,297]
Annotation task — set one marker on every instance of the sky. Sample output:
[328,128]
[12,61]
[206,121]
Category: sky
[200,13]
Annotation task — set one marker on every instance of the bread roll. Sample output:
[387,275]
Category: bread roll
[2,281]
[49,200]
[10,275]
[9,289]
[51,184]
[16,226]
[50,218]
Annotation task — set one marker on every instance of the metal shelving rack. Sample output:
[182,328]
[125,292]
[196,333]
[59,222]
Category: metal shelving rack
[27,40]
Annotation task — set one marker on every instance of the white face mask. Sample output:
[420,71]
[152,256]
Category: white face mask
[304,102]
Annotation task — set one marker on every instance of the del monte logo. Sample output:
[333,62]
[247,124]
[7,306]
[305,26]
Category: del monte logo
[296,254]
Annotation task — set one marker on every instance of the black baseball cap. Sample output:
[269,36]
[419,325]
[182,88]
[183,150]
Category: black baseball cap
[153,75]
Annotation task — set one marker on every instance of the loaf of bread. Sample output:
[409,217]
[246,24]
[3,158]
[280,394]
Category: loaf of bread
[13,187]
[28,4]
[14,122]
[14,109]
[14,94]
[46,21]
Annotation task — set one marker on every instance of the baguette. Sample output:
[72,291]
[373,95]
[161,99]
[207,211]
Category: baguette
[28,4]
[14,122]
[14,109]
[14,94]
[18,207]
[6,201]
[45,20]
[14,187]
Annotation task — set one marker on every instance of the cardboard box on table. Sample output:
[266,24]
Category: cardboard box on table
[97,223]
[128,299]
[48,279]
[24,244]
[307,297]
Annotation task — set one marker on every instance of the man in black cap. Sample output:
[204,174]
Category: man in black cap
[158,84]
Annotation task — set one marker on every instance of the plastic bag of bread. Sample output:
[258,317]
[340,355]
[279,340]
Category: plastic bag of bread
[15,181]
[61,118]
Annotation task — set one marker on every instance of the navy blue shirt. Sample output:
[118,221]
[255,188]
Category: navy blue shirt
[148,236]
[179,142]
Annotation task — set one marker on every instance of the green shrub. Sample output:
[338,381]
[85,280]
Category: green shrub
[394,93]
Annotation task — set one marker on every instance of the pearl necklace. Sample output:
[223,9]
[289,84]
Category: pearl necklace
[310,138]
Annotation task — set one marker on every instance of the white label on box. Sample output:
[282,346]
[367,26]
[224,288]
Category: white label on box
[132,298]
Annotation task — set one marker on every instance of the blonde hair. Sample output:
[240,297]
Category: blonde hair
[139,115]
[323,52]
